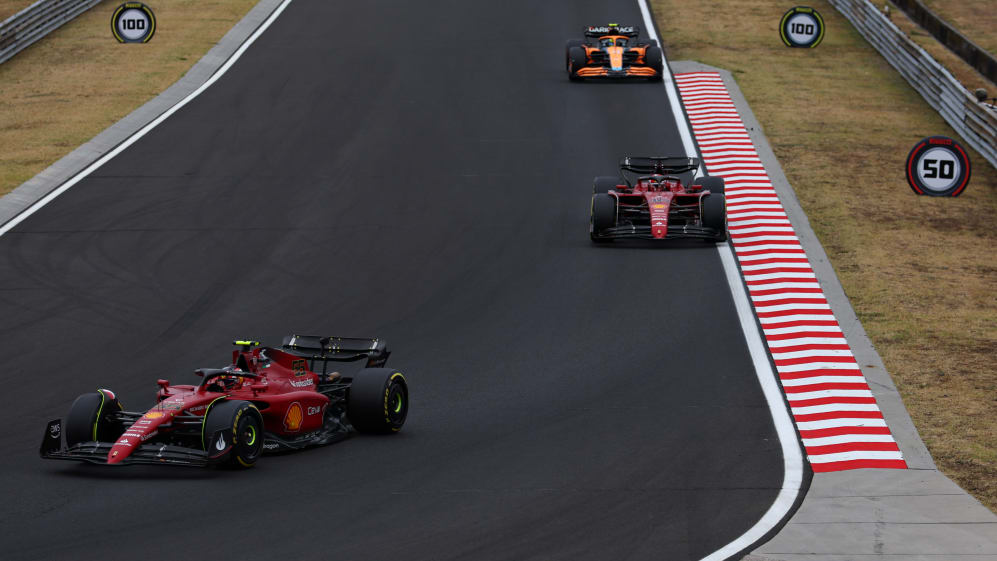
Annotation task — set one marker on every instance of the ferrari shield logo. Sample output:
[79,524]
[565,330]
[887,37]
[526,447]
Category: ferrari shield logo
[293,417]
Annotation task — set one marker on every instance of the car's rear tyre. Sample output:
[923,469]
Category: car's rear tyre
[378,400]
[654,59]
[242,426]
[573,43]
[603,216]
[648,42]
[91,418]
[605,183]
[575,60]
[686,178]
[714,208]
[712,183]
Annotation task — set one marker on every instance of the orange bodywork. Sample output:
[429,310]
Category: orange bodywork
[642,71]
[616,68]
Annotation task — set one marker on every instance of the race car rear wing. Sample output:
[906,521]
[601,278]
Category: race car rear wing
[667,165]
[612,29]
[682,167]
[341,349]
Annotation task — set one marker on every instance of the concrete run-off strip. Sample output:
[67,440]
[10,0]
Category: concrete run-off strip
[913,514]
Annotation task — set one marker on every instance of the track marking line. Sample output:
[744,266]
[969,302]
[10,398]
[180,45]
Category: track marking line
[791,454]
[24,214]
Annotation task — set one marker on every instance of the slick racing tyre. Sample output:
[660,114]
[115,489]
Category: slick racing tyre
[715,215]
[378,400]
[242,427]
[711,183]
[605,183]
[573,43]
[575,61]
[603,215]
[653,58]
[91,418]
[648,42]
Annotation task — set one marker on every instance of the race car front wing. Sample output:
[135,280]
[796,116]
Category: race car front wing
[644,232]
[152,453]
[626,72]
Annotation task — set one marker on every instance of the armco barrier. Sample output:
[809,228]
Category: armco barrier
[973,121]
[36,21]
[973,54]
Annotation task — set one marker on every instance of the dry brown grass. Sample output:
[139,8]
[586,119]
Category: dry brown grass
[11,7]
[921,272]
[68,87]
[976,19]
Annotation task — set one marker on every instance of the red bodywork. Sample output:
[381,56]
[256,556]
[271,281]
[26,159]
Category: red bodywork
[278,383]
[660,197]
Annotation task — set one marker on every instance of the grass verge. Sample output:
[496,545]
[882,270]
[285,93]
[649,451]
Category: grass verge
[11,7]
[65,89]
[919,271]
[976,19]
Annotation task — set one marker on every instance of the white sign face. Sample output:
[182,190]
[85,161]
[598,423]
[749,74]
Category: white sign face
[938,169]
[133,24]
[802,29]
[938,166]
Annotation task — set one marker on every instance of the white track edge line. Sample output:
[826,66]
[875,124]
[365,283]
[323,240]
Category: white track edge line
[792,458]
[37,205]
[791,453]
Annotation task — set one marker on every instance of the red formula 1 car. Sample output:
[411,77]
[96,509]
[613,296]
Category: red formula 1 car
[268,400]
[658,198]
[613,51]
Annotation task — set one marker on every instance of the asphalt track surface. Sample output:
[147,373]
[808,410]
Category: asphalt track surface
[420,172]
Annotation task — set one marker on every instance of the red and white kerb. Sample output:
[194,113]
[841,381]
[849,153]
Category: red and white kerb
[835,412]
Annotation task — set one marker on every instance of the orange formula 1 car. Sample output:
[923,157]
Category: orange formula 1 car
[613,51]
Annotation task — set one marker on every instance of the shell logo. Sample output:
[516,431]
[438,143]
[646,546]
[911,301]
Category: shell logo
[153,415]
[293,417]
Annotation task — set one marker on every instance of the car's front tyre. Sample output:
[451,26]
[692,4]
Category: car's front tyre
[603,216]
[575,60]
[241,425]
[91,418]
[654,59]
[714,214]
